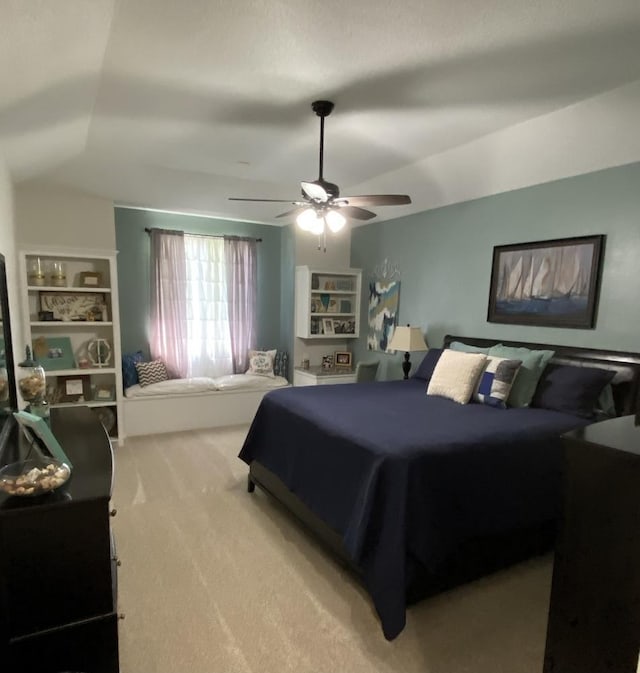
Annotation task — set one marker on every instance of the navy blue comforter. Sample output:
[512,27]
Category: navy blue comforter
[398,473]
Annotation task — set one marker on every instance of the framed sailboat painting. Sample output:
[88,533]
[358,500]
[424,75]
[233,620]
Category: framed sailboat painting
[548,283]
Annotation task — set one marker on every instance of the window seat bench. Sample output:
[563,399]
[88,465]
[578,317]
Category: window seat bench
[192,404]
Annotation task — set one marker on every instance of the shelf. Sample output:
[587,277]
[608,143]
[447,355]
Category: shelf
[71,323]
[67,290]
[332,315]
[344,302]
[76,299]
[333,292]
[60,405]
[79,371]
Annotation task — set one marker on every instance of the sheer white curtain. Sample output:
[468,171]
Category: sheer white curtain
[242,282]
[168,293]
[207,315]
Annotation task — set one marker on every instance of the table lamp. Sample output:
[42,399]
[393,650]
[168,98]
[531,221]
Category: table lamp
[407,339]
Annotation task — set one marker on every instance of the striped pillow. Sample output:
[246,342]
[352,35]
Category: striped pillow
[496,381]
[151,372]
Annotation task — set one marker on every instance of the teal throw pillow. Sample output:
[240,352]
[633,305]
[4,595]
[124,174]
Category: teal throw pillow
[533,364]
[467,348]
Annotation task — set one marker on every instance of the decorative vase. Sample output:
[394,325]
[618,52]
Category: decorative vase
[32,381]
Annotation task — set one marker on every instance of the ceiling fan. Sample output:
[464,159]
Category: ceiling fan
[322,206]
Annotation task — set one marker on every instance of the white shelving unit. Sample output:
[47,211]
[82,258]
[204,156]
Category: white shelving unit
[84,328]
[323,296]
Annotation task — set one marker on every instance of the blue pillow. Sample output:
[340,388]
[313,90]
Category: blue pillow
[129,371]
[533,364]
[428,364]
[572,390]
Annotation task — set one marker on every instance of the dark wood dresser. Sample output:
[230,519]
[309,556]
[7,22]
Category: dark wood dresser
[58,582]
[594,615]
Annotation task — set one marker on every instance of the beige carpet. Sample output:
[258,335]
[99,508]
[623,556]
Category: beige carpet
[215,580]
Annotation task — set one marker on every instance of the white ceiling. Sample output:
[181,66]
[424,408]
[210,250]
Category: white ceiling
[179,105]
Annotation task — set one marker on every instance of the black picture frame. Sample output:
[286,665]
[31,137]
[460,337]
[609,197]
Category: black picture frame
[552,283]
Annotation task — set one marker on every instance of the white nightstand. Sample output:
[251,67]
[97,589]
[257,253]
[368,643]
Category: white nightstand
[317,376]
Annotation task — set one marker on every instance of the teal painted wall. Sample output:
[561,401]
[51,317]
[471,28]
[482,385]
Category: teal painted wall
[134,274]
[287,291]
[445,255]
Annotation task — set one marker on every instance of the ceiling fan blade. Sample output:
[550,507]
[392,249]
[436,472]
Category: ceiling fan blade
[356,213]
[294,211]
[314,191]
[234,198]
[377,200]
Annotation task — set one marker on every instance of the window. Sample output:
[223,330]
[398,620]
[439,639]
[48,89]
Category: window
[203,302]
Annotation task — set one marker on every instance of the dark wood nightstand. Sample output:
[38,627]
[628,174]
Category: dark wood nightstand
[594,614]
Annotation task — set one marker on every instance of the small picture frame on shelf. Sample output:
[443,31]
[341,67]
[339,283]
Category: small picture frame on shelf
[327,361]
[104,393]
[327,326]
[90,279]
[343,359]
[74,388]
[53,353]
[345,306]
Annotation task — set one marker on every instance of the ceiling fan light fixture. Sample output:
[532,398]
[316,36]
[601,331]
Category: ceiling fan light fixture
[335,220]
[306,219]
[317,226]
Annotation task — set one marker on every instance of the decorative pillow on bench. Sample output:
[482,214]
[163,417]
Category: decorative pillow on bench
[261,363]
[129,371]
[151,372]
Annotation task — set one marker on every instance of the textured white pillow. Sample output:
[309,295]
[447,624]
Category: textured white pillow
[261,363]
[456,375]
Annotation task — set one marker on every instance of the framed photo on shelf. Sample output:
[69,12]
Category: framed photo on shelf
[327,362]
[327,326]
[343,359]
[345,306]
[67,306]
[74,388]
[104,393]
[53,353]
[90,279]
[344,284]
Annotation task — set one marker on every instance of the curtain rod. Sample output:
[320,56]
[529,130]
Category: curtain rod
[242,238]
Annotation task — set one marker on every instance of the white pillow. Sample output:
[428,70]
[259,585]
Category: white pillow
[456,374]
[261,363]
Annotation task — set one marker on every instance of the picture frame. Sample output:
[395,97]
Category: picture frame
[72,307]
[53,353]
[345,306]
[90,279]
[104,393]
[327,361]
[552,283]
[74,388]
[327,326]
[39,434]
[343,359]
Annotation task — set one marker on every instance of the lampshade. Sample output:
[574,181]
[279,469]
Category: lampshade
[314,221]
[335,220]
[408,339]
[306,218]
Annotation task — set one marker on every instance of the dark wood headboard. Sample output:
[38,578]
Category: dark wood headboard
[626,388]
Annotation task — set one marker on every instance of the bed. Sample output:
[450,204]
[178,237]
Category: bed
[417,493]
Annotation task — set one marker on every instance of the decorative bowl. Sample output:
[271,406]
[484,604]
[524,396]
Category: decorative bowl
[33,477]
